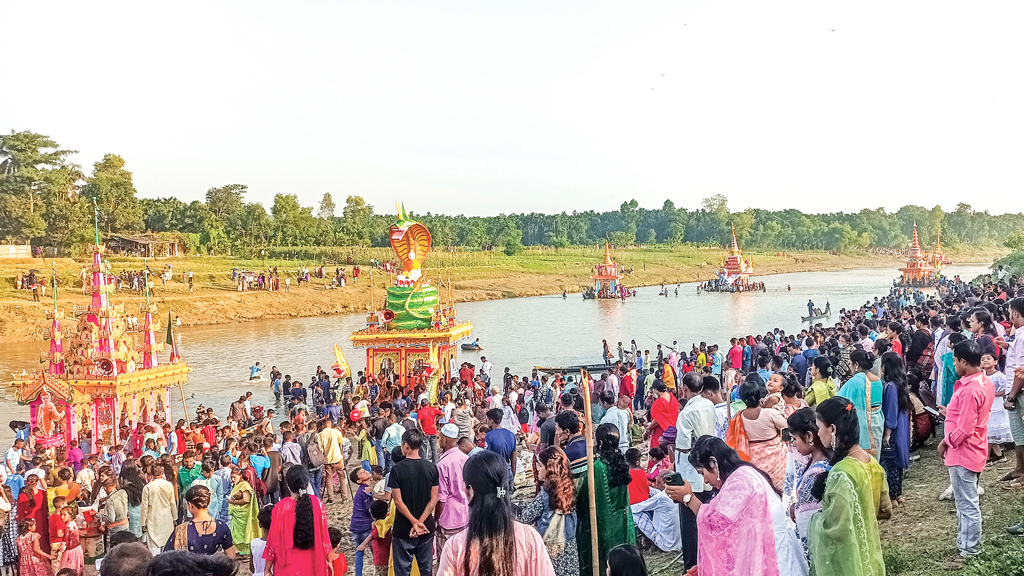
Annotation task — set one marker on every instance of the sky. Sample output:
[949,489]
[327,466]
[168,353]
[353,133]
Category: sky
[482,108]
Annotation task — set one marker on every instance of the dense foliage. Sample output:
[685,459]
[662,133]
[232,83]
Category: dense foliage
[45,199]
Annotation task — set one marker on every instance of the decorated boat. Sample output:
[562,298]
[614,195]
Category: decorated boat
[415,336]
[98,377]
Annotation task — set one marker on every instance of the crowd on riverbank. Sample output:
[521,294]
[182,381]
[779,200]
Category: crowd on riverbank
[796,442]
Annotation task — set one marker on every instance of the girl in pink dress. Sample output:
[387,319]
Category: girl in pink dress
[298,542]
[72,557]
[32,560]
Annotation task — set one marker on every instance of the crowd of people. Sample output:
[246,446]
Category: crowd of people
[772,454]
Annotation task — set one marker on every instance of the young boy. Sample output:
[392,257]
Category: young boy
[57,527]
[257,565]
[377,477]
[639,489]
[336,558]
[362,523]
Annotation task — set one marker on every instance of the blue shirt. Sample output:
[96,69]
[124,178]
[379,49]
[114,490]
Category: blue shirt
[501,442]
[800,365]
[361,521]
[253,371]
[259,463]
[639,362]
[277,385]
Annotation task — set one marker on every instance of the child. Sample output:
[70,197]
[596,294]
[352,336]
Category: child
[362,522]
[999,421]
[72,557]
[381,544]
[776,382]
[377,477]
[639,489]
[57,527]
[657,462]
[257,565]
[336,558]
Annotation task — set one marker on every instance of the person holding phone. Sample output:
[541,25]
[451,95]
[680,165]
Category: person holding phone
[745,530]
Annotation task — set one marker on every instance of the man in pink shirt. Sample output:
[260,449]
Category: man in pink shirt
[452,510]
[965,445]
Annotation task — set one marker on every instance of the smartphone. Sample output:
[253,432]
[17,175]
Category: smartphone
[934,412]
[674,479]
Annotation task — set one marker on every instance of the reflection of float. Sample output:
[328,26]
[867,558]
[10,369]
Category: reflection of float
[97,370]
[415,336]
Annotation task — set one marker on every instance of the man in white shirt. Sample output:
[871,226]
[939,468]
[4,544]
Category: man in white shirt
[617,412]
[485,369]
[658,517]
[158,511]
[696,419]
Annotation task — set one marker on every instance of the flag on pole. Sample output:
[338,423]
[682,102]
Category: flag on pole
[341,368]
[170,340]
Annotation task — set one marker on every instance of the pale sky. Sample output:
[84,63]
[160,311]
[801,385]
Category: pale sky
[486,107]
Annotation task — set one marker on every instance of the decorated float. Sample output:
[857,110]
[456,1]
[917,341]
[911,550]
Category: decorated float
[414,337]
[919,272]
[98,378]
[607,279]
[734,275]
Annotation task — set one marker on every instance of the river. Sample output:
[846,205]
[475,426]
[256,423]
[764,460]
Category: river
[519,332]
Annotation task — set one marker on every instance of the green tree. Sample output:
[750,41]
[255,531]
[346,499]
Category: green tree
[111,186]
[293,224]
[355,225]
[325,215]
[226,200]
[32,171]
[162,214]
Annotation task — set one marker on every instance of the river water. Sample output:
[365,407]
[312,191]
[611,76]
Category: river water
[519,333]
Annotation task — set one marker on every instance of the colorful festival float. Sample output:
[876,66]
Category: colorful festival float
[607,279]
[415,336]
[919,271]
[734,275]
[99,381]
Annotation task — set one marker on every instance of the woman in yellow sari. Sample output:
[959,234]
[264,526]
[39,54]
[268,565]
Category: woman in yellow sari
[243,510]
[823,386]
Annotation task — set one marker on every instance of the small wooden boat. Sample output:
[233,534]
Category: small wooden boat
[820,314]
[594,368]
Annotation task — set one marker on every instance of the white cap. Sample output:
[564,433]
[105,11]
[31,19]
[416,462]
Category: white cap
[450,430]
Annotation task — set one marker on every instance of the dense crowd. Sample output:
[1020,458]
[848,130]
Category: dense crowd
[775,454]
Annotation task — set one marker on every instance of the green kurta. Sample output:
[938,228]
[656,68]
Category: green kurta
[614,518]
[843,537]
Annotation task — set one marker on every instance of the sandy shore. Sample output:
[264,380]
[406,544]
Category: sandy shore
[214,300]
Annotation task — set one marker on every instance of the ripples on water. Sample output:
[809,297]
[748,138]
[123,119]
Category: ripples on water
[519,332]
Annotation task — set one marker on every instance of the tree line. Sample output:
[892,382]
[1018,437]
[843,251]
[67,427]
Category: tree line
[48,200]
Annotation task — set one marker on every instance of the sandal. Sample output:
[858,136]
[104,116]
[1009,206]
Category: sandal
[1010,476]
[1015,484]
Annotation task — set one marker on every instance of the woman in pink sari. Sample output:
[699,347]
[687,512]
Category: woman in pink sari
[298,543]
[745,530]
[664,411]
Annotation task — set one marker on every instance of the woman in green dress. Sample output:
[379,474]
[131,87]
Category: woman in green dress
[856,390]
[843,535]
[243,510]
[614,517]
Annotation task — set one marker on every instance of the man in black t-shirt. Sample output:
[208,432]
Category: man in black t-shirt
[414,486]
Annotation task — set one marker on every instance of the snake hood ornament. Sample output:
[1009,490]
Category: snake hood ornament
[411,242]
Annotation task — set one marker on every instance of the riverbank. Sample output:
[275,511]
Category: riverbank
[475,277]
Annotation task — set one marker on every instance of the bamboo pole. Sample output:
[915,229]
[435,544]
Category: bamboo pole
[595,555]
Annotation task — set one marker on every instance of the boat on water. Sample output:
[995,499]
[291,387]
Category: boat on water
[474,345]
[819,314]
[574,369]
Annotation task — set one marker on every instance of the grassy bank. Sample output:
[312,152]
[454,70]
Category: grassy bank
[476,275]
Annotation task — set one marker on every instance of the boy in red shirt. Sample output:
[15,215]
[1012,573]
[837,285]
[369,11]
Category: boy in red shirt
[336,558]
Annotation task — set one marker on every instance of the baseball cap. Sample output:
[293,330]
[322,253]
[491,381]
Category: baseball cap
[450,430]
